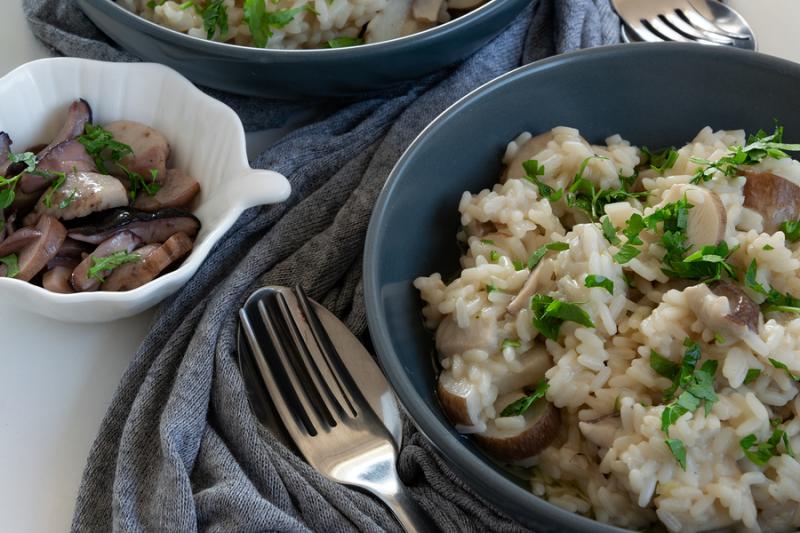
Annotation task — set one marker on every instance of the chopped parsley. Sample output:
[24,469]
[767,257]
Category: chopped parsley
[7,193]
[47,197]
[661,160]
[767,247]
[678,451]
[541,251]
[752,375]
[595,280]
[759,147]
[663,366]
[609,231]
[532,172]
[519,407]
[697,384]
[343,42]
[765,451]
[518,265]
[782,366]
[791,228]
[63,204]
[775,301]
[12,267]
[494,256]
[549,314]
[261,22]
[583,194]
[490,288]
[215,15]
[487,241]
[508,343]
[101,265]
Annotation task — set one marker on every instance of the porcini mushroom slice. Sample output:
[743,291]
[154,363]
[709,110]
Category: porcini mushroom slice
[707,217]
[33,257]
[57,279]
[178,190]
[150,149]
[481,334]
[533,365]
[152,262]
[18,240]
[427,10]
[523,437]
[390,22]
[775,198]
[70,156]
[743,310]
[78,115]
[150,227]
[124,241]
[460,400]
[536,279]
[82,194]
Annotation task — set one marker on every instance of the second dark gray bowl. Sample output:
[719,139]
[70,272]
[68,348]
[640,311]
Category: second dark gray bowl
[291,74]
[653,95]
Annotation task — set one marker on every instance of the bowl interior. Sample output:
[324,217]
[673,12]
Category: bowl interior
[653,95]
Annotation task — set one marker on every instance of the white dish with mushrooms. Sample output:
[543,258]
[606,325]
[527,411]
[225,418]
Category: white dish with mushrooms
[102,205]
[626,326]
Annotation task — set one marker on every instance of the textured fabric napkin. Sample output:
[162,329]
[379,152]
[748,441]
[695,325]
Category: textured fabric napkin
[179,449]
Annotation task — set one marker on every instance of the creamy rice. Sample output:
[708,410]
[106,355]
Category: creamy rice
[609,459]
[296,24]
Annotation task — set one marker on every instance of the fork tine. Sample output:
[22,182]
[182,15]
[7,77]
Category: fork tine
[295,419]
[334,366]
[682,25]
[322,393]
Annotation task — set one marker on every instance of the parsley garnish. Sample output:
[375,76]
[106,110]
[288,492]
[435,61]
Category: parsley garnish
[532,172]
[609,231]
[678,451]
[520,406]
[661,160]
[110,262]
[7,194]
[595,280]
[342,42]
[775,301]
[791,228]
[549,314]
[262,22]
[63,204]
[494,256]
[518,265]
[782,366]
[583,194]
[12,268]
[508,343]
[215,15]
[487,241]
[759,147]
[663,366]
[540,252]
[752,375]
[47,198]
[766,450]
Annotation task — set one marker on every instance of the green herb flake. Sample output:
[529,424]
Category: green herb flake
[12,267]
[582,193]
[215,16]
[791,228]
[609,231]
[549,314]
[508,343]
[719,338]
[767,247]
[697,384]
[494,256]
[519,407]
[678,451]
[490,288]
[518,265]
[663,366]
[261,22]
[775,301]
[101,265]
[782,366]
[540,252]
[343,42]
[47,197]
[488,242]
[765,451]
[661,160]
[533,170]
[595,280]
[752,375]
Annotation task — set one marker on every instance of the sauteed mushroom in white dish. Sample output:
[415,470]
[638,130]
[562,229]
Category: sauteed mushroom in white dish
[98,208]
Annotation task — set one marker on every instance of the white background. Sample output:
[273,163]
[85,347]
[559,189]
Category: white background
[56,380]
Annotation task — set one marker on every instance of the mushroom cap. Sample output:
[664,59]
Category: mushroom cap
[481,334]
[743,310]
[775,198]
[460,400]
[541,424]
[36,254]
[707,219]
[82,194]
[153,260]
[525,152]
[178,190]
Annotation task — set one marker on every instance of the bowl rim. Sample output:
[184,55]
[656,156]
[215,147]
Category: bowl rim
[437,433]
[191,264]
[398,44]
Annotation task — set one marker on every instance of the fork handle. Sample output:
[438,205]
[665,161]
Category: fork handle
[408,512]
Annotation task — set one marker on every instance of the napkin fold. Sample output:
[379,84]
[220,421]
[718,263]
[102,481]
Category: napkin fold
[179,449]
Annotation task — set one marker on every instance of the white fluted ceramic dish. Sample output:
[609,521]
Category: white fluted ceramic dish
[207,140]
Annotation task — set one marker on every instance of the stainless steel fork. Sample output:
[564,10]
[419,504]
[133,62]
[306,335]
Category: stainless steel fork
[323,409]
[700,21]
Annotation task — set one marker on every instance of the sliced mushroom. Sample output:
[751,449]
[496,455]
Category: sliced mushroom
[390,22]
[178,190]
[71,253]
[150,227]
[70,156]
[57,279]
[538,428]
[5,150]
[775,198]
[150,149]
[707,218]
[81,194]
[743,310]
[124,241]
[153,261]
[525,152]
[33,257]
[18,240]
[427,10]
[533,365]
[541,274]
[481,334]
[460,400]
[78,115]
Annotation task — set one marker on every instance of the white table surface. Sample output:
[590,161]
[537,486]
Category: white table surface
[56,380]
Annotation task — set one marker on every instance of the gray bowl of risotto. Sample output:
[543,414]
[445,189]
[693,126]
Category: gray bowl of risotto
[592,308]
[303,48]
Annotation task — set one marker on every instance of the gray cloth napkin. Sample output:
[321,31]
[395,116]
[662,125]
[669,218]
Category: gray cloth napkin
[179,449]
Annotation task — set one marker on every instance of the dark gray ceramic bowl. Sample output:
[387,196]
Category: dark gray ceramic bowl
[292,74]
[654,95]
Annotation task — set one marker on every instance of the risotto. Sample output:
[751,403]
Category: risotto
[626,325]
[291,24]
